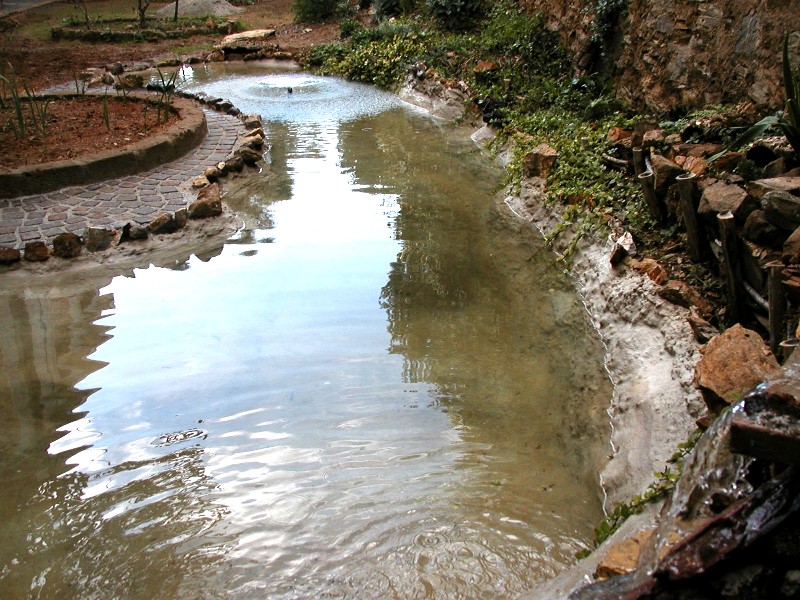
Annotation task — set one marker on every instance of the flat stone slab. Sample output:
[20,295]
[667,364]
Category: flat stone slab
[246,41]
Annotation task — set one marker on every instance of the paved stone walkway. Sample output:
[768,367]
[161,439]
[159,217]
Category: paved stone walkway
[113,203]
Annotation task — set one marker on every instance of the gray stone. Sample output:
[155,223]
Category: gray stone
[201,181]
[234,164]
[97,239]
[720,197]
[246,41]
[36,252]
[253,140]
[67,245]
[208,203]
[252,122]
[782,209]
[212,174]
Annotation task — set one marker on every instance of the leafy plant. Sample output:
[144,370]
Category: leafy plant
[37,106]
[455,15]
[166,91]
[311,11]
[10,83]
[389,8]
[787,121]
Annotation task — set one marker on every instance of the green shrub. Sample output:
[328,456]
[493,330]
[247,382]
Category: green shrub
[381,63]
[393,8]
[310,11]
[455,15]
[348,27]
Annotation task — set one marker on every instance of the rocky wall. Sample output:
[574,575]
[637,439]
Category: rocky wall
[667,55]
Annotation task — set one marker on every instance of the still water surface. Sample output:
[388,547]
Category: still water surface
[382,387]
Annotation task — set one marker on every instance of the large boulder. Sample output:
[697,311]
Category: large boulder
[719,197]
[247,41]
[163,223]
[733,363]
[199,8]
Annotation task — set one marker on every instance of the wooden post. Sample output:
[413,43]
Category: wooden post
[638,161]
[695,236]
[730,254]
[777,305]
[647,180]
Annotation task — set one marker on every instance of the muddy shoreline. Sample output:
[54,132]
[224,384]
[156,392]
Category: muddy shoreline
[650,352]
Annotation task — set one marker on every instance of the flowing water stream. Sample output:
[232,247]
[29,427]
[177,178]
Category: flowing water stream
[382,387]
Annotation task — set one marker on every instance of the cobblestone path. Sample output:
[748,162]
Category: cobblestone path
[113,203]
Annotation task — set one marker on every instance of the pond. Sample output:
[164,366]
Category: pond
[382,387]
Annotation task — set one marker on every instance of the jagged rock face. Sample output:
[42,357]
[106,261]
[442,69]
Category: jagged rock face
[671,54]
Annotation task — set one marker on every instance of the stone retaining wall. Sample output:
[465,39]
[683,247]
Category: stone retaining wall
[666,55]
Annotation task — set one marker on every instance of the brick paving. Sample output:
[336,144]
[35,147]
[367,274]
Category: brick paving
[113,203]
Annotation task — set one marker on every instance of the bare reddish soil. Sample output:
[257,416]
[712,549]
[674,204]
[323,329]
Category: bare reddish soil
[76,127]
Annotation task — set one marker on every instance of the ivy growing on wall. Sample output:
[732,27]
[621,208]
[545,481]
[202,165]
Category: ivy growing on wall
[607,15]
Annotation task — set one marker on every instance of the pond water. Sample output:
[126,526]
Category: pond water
[382,387]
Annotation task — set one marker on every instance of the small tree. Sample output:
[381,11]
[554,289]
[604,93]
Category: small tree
[141,10]
[81,6]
